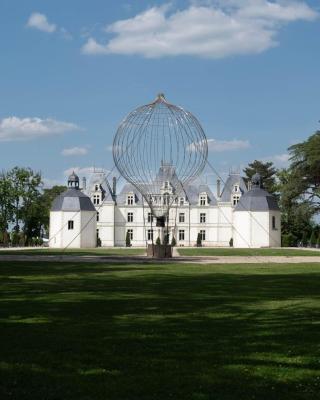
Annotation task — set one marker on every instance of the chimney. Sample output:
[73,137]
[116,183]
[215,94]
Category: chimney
[218,188]
[84,183]
[114,186]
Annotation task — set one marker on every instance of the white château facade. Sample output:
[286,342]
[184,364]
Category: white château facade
[250,217]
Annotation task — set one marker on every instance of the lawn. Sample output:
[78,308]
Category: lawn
[98,251]
[105,332]
[211,251]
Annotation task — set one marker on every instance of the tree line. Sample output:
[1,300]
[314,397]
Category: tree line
[25,203]
[24,207]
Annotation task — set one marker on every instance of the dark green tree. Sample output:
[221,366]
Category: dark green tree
[267,172]
[6,203]
[128,239]
[199,241]
[313,239]
[173,241]
[158,241]
[305,170]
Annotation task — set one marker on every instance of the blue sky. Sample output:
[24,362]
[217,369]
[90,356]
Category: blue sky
[71,70]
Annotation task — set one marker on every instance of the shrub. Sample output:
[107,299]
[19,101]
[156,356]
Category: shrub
[166,239]
[128,240]
[288,240]
[231,242]
[173,241]
[199,241]
[15,238]
[158,241]
[98,242]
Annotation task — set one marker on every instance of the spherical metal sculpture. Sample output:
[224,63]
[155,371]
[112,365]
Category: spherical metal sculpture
[159,148]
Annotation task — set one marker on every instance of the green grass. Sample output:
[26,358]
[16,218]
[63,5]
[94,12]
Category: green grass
[210,251]
[105,332]
[99,251]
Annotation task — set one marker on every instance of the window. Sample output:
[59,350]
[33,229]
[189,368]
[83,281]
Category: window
[130,233]
[236,188]
[166,199]
[202,218]
[98,216]
[150,234]
[181,201]
[70,225]
[274,223]
[96,187]
[181,217]
[130,199]
[235,200]
[203,200]
[166,185]
[203,234]
[96,199]
[150,217]
[130,217]
[181,234]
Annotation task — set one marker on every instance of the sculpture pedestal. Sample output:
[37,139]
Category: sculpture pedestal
[159,251]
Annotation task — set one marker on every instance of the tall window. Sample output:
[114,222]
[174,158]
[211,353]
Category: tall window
[98,216]
[130,233]
[203,234]
[150,217]
[130,217]
[181,234]
[181,217]
[130,199]
[166,199]
[274,223]
[150,234]
[235,200]
[203,200]
[70,225]
[236,188]
[96,199]
[202,218]
[181,201]
[97,187]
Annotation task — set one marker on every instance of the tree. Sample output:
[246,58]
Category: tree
[296,213]
[304,239]
[6,202]
[305,170]
[158,241]
[313,239]
[267,172]
[45,203]
[128,239]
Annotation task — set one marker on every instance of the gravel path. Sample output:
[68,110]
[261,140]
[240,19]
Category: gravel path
[176,259]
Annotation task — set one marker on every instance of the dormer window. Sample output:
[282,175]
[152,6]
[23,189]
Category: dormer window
[166,185]
[96,199]
[203,200]
[130,199]
[96,188]
[236,188]
[235,199]
[181,201]
[166,199]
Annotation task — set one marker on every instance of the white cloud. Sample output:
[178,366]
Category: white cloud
[74,151]
[280,160]
[15,128]
[214,29]
[40,21]
[227,145]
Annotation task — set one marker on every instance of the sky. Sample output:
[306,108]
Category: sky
[70,71]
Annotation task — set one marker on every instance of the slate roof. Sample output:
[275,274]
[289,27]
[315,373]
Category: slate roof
[257,199]
[233,179]
[72,200]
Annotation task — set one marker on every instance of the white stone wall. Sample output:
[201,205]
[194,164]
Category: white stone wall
[82,235]
[254,229]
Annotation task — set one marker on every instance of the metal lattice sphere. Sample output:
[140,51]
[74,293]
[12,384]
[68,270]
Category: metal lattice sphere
[159,148]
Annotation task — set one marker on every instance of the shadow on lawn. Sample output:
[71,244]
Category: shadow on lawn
[136,333]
